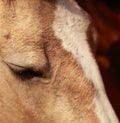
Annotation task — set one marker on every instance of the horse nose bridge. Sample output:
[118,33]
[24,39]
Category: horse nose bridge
[104,110]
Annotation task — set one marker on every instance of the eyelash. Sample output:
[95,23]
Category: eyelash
[27,74]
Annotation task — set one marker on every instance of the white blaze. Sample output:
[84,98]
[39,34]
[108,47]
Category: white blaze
[70,25]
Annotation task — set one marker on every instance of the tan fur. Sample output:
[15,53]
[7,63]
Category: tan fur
[27,39]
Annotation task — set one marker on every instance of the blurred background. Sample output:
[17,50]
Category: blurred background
[106,17]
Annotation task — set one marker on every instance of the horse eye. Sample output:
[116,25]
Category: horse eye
[24,73]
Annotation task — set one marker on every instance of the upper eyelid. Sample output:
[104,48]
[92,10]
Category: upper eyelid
[24,73]
[17,68]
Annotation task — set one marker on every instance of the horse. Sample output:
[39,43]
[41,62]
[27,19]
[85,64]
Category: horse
[48,72]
